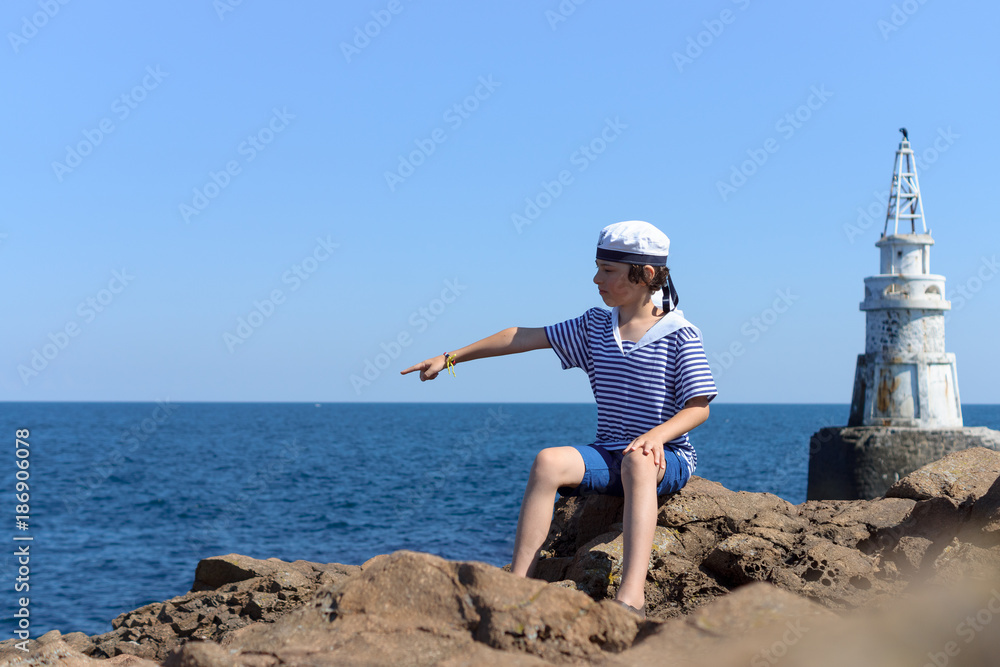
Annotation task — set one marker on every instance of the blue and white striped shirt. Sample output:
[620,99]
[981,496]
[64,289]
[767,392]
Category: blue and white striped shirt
[637,386]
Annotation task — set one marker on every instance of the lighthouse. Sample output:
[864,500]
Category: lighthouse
[905,377]
[905,410]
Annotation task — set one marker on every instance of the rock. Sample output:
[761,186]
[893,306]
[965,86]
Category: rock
[568,533]
[200,654]
[909,552]
[963,476]
[229,593]
[962,561]
[986,514]
[54,649]
[675,587]
[734,630]
[597,568]
[711,504]
[837,576]
[213,573]
[740,559]
[932,625]
[553,568]
[431,610]
[760,625]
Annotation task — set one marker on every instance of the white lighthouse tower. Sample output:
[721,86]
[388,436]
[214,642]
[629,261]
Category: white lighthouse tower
[905,377]
[905,412]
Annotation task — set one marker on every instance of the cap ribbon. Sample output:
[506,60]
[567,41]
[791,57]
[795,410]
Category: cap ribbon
[670,298]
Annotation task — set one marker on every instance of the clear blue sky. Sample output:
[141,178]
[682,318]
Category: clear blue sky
[167,167]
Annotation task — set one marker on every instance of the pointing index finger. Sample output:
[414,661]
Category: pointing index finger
[414,367]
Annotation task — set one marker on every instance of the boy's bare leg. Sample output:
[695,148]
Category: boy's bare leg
[640,478]
[554,467]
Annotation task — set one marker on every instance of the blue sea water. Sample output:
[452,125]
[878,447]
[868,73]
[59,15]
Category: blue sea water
[126,498]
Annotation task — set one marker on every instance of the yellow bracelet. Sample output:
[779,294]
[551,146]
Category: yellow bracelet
[449,362]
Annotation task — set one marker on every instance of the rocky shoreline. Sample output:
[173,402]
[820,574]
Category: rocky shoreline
[735,578]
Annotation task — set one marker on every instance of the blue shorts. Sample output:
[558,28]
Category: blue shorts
[603,474]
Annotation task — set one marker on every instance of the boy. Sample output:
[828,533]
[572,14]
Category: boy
[652,384]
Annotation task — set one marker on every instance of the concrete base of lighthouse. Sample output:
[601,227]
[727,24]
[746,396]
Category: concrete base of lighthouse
[862,462]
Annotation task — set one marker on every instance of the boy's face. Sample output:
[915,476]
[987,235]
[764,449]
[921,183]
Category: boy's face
[615,287]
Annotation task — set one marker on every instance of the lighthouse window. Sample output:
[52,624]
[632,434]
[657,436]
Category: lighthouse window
[933,291]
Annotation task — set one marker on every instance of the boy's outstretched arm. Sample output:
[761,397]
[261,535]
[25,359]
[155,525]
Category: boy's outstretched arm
[508,341]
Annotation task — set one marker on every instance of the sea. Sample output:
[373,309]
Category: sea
[124,499]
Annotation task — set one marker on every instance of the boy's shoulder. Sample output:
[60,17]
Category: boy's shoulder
[598,313]
[595,315]
[689,332]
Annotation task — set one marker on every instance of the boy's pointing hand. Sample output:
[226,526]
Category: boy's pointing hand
[429,368]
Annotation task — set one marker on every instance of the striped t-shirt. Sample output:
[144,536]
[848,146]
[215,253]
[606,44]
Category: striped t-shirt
[637,386]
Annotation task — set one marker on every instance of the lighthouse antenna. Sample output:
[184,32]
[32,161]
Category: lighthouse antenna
[905,202]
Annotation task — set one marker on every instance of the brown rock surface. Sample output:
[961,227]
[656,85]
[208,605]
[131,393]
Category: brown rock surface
[229,593]
[986,513]
[951,625]
[734,629]
[965,475]
[56,649]
[409,608]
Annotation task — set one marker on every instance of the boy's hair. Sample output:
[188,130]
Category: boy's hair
[637,274]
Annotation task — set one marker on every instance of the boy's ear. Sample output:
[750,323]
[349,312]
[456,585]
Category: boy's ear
[649,272]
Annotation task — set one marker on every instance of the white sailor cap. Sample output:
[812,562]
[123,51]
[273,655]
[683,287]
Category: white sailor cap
[638,242]
[633,242]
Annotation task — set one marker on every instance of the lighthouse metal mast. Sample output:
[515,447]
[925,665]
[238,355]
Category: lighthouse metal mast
[904,196]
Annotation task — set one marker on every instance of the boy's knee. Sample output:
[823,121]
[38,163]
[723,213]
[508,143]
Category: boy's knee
[547,459]
[635,464]
[555,463]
